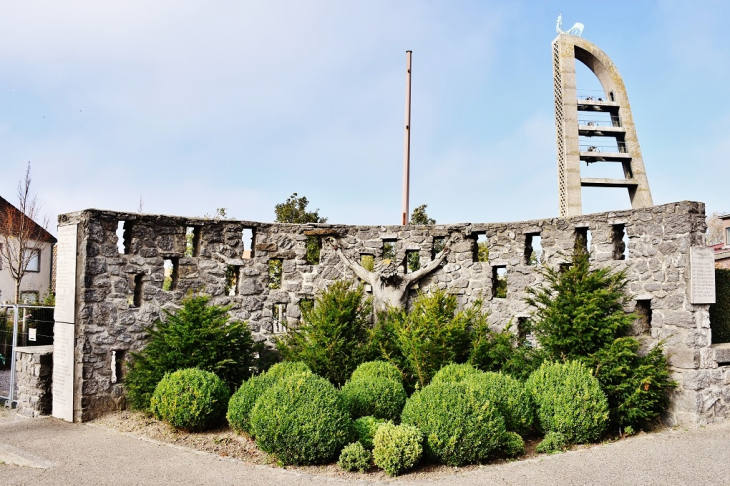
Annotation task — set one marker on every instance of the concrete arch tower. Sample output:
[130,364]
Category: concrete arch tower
[605,114]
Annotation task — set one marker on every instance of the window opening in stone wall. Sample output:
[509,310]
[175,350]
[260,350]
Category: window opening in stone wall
[367,261]
[619,240]
[522,328]
[389,250]
[232,273]
[314,248]
[138,290]
[480,248]
[118,366]
[533,249]
[305,306]
[120,237]
[413,260]
[275,273]
[642,325]
[499,282]
[439,243]
[170,271]
[279,315]
[124,237]
[247,238]
[582,240]
[192,241]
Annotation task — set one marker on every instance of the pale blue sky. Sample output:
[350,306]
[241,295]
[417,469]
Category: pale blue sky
[200,105]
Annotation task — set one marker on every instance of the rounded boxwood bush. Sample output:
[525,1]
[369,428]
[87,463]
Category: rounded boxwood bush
[354,457]
[243,401]
[513,445]
[190,399]
[377,369]
[380,397]
[397,447]
[459,427]
[302,419]
[365,429]
[569,400]
[454,373]
[286,369]
[553,442]
[508,395]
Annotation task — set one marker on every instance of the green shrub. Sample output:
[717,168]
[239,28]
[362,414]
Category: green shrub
[569,400]
[365,429]
[553,442]
[190,399]
[397,448]
[720,310]
[504,351]
[513,445]
[243,401]
[454,373]
[381,369]
[302,419]
[636,386]
[428,338]
[459,427]
[354,457]
[333,338]
[380,397]
[196,336]
[580,310]
[508,396]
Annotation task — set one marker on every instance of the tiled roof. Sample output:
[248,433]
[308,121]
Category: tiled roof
[8,210]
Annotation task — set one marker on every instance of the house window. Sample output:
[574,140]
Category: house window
[727,236]
[34,260]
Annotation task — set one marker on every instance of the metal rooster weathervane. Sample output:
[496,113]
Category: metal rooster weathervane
[576,30]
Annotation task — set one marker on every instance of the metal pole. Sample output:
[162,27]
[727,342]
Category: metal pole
[11,397]
[407,148]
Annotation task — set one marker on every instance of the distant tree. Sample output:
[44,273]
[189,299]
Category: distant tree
[294,210]
[715,229]
[419,216]
[23,237]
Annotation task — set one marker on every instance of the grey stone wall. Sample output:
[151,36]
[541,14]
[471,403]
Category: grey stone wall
[110,317]
[33,367]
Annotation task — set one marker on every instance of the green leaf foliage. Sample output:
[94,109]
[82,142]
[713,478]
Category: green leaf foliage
[459,427]
[636,386]
[397,448]
[190,399]
[508,395]
[294,210]
[378,369]
[419,216]
[720,310]
[514,445]
[365,429]
[379,397]
[580,310]
[303,420]
[503,351]
[569,400]
[333,338]
[454,373]
[431,336]
[198,335]
[243,401]
[553,442]
[355,457]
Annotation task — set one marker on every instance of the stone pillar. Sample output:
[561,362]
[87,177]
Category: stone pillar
[33,372]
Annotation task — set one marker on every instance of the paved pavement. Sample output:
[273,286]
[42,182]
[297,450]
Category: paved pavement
[55,452]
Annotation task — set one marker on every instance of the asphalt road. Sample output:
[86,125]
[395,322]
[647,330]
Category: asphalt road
[55,452]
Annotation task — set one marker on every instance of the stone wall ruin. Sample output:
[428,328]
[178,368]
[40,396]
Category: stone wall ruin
[121,282]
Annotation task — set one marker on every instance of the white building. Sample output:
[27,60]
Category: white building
[36,283]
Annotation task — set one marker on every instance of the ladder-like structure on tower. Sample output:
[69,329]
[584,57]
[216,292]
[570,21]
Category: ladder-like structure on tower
[573,119]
